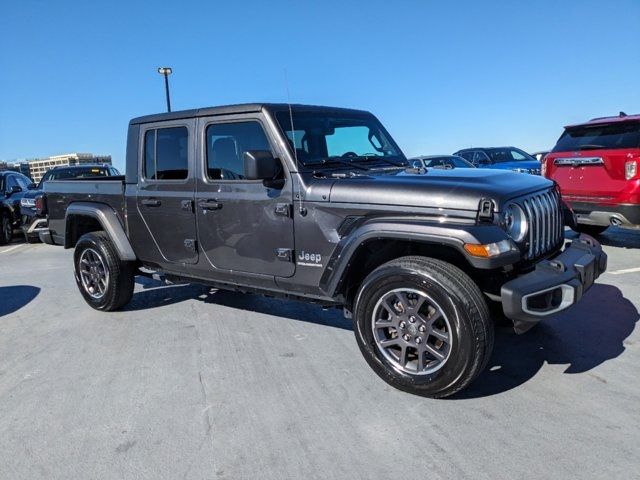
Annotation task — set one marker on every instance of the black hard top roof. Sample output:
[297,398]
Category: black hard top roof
[240,108]
[82,165]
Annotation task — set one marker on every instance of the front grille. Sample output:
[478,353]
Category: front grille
[546,223]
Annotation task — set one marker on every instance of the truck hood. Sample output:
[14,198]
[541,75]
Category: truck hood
[459,189]
[33,193]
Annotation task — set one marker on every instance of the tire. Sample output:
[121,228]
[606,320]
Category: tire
[6,229]
[592,230]
[463,317]
[105,281]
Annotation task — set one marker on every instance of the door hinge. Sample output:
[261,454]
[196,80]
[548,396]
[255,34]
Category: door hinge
[190,244]
[284,254]
[283,209]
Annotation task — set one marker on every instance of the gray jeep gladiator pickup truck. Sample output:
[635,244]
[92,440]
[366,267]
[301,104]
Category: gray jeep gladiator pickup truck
[319,204]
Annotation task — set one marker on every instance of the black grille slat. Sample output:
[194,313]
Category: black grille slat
[545,222]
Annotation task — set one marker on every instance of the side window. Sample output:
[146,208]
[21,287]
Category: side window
[23,182]
[517,155]
[467,156]
[11,182]
[480,157]
[226,144]
[166,153]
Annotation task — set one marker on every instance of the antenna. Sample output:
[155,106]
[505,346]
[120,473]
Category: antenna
[301,209]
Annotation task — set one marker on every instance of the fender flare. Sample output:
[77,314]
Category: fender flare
[108,219]
[453,236]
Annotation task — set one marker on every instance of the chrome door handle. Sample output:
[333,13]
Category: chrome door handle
[210,205]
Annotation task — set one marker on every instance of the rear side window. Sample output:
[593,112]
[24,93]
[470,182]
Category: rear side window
[617,135]
[166,153]
[226,144]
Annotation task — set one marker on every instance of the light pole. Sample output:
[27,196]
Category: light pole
[166,71]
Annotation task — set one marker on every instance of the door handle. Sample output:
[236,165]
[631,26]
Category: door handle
[209,204]
[151,202]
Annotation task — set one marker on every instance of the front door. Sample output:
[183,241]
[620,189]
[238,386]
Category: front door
[243,225]
[166,190]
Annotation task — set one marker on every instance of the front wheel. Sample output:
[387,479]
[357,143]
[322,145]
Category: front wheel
[6,229]
[105,281]
[423,326]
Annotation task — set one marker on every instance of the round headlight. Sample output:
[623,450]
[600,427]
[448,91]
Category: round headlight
[515,222]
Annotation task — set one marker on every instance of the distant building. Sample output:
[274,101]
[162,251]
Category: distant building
[39,166]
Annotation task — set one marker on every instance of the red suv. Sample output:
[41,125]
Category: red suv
[596,166]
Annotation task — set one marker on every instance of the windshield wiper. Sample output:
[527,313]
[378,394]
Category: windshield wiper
[382,159]
[591,147]
[338,160]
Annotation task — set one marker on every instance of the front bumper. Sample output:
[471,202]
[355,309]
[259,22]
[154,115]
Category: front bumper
[554,285]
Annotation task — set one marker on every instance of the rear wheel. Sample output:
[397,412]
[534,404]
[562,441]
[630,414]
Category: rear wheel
[590,229]
[105,281]
[423,326]
[6,230]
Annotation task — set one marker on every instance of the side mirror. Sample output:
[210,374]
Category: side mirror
[417,164]
[32,186]
[260,165]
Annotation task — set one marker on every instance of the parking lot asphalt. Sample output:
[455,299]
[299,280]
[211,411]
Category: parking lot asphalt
[188,382]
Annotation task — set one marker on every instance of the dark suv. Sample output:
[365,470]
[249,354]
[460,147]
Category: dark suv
[13,186]
[320,204]
[501,158]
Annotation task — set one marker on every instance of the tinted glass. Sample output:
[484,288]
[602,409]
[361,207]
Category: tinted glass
[321,136]
[24,182]
[479,157]
[498,155]
[84,172]
[11,182]
[166,153]
[448,162]
[620,135]
[466,155]
[226,144]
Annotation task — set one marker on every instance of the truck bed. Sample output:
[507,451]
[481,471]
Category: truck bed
[59,194]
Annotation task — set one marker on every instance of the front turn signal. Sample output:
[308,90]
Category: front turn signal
[490,249]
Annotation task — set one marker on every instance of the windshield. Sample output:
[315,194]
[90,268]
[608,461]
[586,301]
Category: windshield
[509,154]
[67,173]
[335,137]
[447,162]
[616,135]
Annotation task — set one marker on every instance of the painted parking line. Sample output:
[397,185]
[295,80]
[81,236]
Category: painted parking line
[623,271]
[10,249]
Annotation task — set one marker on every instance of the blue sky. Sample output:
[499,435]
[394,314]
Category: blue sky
[440,75]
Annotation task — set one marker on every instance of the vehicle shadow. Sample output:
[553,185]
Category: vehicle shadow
[614,237]
[14,297]
[583,337]
[155,293]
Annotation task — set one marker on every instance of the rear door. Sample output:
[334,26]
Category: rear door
[166,188]
[589,161]
[243,225]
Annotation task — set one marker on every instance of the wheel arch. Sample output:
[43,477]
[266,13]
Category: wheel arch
[370,253]
[86,217]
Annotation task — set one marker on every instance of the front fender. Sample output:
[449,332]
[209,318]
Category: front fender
[108,220]
[450,235]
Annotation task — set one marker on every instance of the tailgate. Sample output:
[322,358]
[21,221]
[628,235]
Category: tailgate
[597,175]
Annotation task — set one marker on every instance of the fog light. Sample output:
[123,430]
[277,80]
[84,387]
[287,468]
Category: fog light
[490,249]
